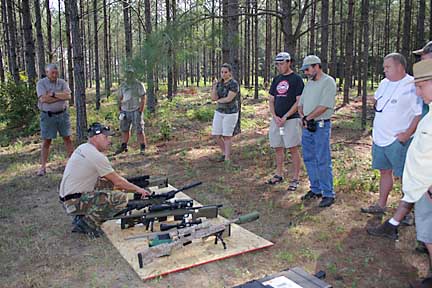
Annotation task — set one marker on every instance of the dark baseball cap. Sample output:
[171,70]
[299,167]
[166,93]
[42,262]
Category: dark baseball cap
[98,128]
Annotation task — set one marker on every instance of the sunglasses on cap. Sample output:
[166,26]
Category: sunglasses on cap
[97,128]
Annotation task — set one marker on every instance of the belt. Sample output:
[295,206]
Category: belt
[323,120]
[54,113]
[70,196]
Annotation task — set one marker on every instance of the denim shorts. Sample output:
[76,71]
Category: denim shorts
[51,124]
[391,157]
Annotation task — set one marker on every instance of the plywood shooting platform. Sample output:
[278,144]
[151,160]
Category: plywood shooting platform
[198,253]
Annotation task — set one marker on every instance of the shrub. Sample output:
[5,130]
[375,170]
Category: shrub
[17,104]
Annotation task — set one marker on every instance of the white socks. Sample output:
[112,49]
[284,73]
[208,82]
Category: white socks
[393,222]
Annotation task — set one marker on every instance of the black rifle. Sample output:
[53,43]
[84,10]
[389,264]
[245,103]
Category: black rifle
[153,199]
[181,225]
[148,181]
[148,219]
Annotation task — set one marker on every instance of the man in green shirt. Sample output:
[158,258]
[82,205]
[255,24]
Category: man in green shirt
[316,107]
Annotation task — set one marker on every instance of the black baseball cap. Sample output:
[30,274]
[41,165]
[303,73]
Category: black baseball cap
[98,128]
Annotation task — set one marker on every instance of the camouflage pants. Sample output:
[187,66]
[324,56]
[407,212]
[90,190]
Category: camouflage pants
[97,206]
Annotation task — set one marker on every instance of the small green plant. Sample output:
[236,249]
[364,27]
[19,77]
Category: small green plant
[165,130]
[202,114]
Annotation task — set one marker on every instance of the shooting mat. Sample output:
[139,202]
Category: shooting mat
[198,253]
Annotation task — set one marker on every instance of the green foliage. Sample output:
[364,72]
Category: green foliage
[203,114]
[17,104]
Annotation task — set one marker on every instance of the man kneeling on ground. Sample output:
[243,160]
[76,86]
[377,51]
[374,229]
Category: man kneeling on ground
[90,206]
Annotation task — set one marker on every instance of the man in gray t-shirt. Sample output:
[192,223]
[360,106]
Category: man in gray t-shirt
[131,103]
[316,107]
[53,95]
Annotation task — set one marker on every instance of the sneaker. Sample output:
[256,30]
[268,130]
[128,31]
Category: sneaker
[310,195]
[41,172]
[121,149]
[385,230]
[142,149]
[373,209]
[326,202]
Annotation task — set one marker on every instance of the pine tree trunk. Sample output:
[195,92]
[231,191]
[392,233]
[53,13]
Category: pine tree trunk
[268,46]
[387,27]
[40,40]
[169,66]
[78,61]
[173,51]
[324,34]
[69,54]
[151,97]
[256,49]
[333,64]
[127,28]
[213,42]
[406,51]
[349,51]
[421,23]
[399,26]
[106,52]
[61,43]
[29,42]
[49,31]
[89,49]
[364,68]
[231,45]
[341,67]
[312,28]
[11,29]
[96,52]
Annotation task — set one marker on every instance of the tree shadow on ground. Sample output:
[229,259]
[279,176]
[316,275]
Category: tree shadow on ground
[372,260]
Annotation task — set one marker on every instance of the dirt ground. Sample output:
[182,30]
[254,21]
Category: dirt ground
[37,248]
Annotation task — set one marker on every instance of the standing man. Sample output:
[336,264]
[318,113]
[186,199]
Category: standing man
[131,103]
[316,107]
[424,53]
[77,189]
[53,95]
[397,113]
[285,126]
[417,183]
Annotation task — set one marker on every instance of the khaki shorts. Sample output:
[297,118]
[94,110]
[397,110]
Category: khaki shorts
[292,134]
[134,119]
[224,124]
[423,219]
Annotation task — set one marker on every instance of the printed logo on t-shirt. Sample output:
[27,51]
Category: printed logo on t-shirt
[282,88]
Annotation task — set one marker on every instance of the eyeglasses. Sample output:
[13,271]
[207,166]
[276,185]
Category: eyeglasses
[385,104]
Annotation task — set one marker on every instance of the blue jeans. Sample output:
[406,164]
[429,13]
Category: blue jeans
[317,159]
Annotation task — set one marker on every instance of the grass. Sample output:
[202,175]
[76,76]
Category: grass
[38,250]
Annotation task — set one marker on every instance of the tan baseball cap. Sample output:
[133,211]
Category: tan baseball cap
[423,70]
[426,49]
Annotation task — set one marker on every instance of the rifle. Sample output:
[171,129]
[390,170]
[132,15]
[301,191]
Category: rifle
[153,199]
[164,243]
[148,181]
[159,214]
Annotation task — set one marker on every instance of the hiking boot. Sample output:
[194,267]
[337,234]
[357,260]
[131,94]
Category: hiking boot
[310,195]
[373,209]
[425,283]
[81,226]
[326,202]
[123,148]
[142,149]
[421,248]
[408,220]
[385,230]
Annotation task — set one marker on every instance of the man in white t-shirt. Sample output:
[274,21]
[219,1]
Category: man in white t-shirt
[397,113]
[87,165]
